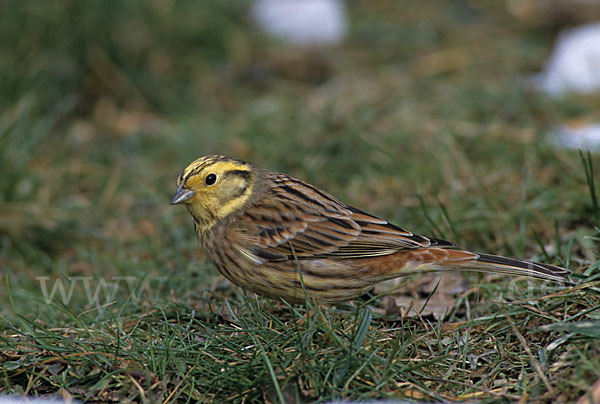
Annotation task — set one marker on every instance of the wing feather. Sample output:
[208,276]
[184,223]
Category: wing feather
[297,219]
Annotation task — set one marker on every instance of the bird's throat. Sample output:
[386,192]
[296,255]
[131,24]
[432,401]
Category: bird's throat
[204,220]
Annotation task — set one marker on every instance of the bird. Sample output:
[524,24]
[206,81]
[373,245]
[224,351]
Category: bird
[280,237]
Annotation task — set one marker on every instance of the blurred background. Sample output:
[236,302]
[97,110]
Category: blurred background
[425,113]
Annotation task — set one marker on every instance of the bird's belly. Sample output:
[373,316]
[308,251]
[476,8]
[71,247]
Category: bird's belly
[321,279]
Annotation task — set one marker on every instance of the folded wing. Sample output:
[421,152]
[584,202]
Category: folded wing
[299,220]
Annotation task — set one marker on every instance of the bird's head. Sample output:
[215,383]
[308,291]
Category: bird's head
[213,187]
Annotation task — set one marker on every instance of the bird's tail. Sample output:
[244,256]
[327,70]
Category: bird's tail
[443,259]
[512,266]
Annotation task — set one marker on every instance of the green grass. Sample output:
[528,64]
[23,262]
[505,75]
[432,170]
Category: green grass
[422,117]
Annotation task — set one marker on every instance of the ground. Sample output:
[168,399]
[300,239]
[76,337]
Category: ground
[424,116]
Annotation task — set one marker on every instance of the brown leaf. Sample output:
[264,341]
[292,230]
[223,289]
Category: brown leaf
[591,396]
[415,297]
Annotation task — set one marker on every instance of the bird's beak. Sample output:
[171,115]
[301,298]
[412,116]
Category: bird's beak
[181,195]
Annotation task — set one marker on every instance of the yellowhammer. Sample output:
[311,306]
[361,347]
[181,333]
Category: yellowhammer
[259,226]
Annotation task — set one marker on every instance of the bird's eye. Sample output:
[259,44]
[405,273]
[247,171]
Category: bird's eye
[210,179]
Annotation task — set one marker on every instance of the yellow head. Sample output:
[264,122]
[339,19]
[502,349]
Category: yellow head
[213,187]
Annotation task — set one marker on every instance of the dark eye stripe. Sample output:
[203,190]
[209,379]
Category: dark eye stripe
[245,175]
[240,173]
[198,169]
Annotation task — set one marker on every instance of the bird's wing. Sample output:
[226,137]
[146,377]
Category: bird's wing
[378,237]
[298,220]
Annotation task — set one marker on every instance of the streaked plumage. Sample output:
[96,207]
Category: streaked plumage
[257,226]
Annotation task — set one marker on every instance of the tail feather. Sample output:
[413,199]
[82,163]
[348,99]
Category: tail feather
[435,259]
[496,263]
